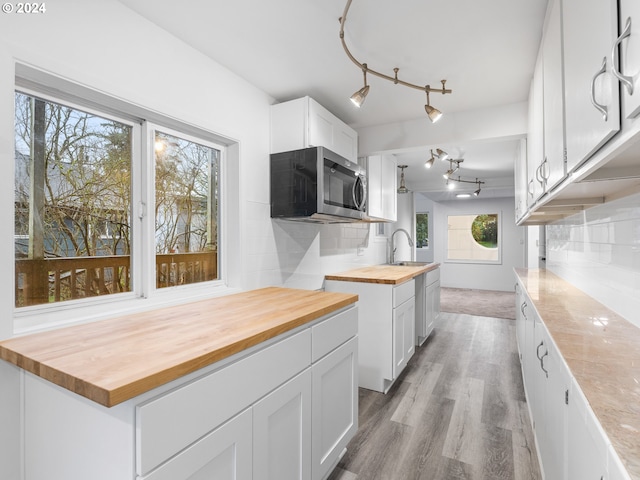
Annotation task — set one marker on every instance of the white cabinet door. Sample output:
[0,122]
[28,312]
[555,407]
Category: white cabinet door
[629,61]
[586,446]
[327,130]
[553,442]
[389,187]
[224,454]
[381,187]
[281,432]
[535,136]
[520,181]
[404,319]
[335,406]
[592,99]
[553,165]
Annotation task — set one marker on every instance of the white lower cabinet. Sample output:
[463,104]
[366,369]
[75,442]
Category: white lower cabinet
[569,438]
[281,429]
[224,454]
[283,410]
[427,303]
[404,327]
[386,329]
[335,413]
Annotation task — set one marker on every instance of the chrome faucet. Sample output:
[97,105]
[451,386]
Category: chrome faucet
[393,248]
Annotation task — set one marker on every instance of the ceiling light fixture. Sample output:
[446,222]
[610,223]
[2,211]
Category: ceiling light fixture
[442,155]
[452,169]
[462,180]
[429,162]
[358,97]
[402,188]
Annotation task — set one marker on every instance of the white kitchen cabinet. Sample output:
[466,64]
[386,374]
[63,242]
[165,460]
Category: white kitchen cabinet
[535,135]
[520,181]
[427,303]
[382,180]
[552,169]
[281,429]
[303,123]
[404,327]
[628,64]
[386,329]
[587,448]
[335,401]
[223,454]
[248,416]
[592,101]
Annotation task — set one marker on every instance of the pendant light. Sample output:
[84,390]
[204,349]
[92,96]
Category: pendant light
[402,188]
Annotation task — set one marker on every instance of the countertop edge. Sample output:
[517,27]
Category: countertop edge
[350,277]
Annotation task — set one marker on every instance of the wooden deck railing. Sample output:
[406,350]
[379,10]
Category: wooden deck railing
[59,279]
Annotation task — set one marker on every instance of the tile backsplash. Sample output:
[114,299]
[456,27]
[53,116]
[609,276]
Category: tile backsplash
[598,250]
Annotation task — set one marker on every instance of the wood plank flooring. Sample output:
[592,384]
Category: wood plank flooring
[458,411]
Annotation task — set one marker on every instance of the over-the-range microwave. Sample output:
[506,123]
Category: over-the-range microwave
[317,185]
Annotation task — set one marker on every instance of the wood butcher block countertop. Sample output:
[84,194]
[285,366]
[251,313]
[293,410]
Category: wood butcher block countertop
[602,351]
[114,360]
[387,274]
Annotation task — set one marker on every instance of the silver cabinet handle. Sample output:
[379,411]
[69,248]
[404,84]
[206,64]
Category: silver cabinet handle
[627,81]
[538,350]
[601,108]
[530,188]
[542,363]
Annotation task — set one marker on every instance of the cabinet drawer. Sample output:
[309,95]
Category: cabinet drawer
[403,292]
[433,276]
[333,332]
[171,422]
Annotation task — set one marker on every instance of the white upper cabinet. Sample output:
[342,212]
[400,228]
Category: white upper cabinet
[303,123]
[520,173]
[628,64]
[382,183]
[552,169]
[591,90]
[535,143]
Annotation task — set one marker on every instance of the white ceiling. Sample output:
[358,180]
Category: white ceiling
[291,48]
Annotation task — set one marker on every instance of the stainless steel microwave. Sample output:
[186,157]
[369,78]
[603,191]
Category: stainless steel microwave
[317,185]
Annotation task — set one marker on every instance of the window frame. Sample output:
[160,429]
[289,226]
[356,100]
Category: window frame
[143,294]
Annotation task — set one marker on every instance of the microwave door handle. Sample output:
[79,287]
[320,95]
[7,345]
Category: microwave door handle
[359,183]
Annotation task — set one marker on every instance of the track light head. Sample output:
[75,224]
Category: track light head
[442,155]
[358,98]
[433,113]
[429,162]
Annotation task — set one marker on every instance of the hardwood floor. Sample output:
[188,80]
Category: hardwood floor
[458,411]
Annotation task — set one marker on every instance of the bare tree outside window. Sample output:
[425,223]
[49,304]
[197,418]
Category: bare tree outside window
[186,210]
[72,202]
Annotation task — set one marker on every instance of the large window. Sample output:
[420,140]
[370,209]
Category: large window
[473,238]
[79,196]
[422,230]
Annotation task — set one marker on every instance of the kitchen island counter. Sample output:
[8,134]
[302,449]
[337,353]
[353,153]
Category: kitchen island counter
[111,361]
[384,274]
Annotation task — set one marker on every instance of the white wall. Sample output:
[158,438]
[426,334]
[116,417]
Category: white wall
[479,275]
[598,251]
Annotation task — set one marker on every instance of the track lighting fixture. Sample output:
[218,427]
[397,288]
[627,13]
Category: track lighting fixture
[433,113]
[429,162]
[477,192]
[402,188]
[358,98]
[453,169]
[442,155]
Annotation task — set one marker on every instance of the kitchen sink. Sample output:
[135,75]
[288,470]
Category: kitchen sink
[409,263]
